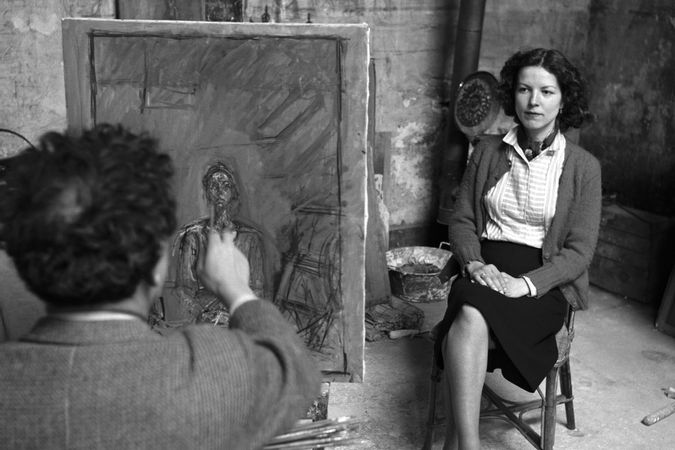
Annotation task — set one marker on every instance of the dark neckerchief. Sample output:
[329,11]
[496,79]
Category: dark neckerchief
[533,148]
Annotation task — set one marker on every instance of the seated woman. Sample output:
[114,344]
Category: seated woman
[524,230]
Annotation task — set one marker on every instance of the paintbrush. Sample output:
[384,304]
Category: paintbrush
[314,443]
[340,431]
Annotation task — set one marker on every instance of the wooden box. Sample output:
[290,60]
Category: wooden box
[634,253]
[665,321]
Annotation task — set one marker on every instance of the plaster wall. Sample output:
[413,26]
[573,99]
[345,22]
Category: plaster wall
[517,24]
[630,52]
[32,99]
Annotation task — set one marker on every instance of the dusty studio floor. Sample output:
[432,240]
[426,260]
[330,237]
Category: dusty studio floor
[619,365]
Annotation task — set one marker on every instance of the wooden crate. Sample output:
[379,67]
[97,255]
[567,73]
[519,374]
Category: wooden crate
[665,321]
[634,253]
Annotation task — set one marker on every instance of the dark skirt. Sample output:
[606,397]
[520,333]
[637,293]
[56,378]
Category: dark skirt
[523,329]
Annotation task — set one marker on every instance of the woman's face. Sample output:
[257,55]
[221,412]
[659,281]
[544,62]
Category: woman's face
[220,189]
[538,100]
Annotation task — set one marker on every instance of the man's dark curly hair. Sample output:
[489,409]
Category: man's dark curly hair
[85,217]
[575,104]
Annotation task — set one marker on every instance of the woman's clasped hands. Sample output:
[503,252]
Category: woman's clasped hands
[488,275]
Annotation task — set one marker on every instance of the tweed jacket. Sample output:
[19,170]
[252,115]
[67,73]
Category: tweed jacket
[120,385]
[569,243]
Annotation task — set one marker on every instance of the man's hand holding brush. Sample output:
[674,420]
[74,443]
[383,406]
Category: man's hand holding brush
[224,269]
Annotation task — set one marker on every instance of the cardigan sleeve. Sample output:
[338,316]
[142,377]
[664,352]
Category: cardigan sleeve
[463,231]
[568,251]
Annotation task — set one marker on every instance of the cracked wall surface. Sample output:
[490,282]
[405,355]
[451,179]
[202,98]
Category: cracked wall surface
[31,65]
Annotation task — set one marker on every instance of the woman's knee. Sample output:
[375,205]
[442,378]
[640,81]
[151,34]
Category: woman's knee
[470,317]
[468,336]
[468,327]
[472,320]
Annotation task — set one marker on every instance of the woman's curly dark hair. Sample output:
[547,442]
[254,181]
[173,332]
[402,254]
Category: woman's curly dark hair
[575,104]
[85,217]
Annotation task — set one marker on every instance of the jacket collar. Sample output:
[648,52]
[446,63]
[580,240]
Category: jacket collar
[53,330]
[501,164]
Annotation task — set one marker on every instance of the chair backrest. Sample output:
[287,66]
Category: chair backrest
[565,336]
[451,269]
[569,320]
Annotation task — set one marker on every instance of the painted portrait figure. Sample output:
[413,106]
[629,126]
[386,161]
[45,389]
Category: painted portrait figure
[222,196]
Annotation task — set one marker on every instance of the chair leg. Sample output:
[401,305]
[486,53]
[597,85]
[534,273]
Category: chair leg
[548,411]
[548,425]
[566,389]
[431,411]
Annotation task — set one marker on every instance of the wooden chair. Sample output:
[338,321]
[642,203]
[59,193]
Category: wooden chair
[512,412]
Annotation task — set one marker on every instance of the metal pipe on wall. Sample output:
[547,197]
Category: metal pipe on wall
[465,62]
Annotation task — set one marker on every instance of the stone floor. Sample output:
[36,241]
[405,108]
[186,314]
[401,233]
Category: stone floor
[619,364]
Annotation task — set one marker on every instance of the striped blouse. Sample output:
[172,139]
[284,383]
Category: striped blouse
[521,205]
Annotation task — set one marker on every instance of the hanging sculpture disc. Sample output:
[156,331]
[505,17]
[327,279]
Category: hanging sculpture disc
[476,106]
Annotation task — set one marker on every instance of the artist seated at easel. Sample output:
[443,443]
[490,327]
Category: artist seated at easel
[87,224]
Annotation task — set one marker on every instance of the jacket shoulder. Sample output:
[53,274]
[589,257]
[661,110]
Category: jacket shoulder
[583,157]
[486,145]
[488,141]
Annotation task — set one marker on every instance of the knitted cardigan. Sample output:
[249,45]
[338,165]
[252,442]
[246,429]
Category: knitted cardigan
[569,243]
[120,385]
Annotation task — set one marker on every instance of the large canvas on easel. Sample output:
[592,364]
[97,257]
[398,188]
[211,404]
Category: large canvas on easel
[284,107]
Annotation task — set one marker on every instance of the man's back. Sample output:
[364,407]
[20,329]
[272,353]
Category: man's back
[117,384]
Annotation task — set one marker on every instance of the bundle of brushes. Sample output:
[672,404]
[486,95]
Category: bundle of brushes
[338,432]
